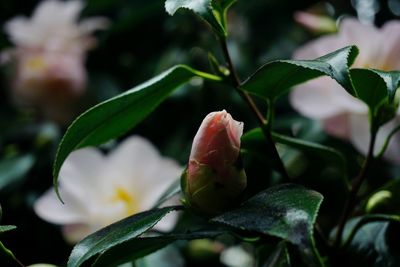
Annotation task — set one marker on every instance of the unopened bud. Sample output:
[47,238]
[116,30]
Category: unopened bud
[213,180]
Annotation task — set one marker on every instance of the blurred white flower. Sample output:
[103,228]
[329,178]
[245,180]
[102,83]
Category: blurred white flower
[237,256]
[101,189]
[49,54]
[323,99]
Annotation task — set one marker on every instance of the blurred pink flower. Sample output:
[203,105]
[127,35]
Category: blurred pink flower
[101,189]
[315,23]
[323,99]
[49,55]
[212,179]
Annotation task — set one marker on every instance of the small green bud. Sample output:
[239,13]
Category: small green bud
[378,201]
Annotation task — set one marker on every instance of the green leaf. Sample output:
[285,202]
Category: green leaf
[374,245]
[169,256]
[14,169]
[375,87]
[385,199]
[6,228]
[115,234]
[140,247]
[327,153]
[117,115]
[222,7]
[286,211]
[349,232]
[203,8]
[276,78]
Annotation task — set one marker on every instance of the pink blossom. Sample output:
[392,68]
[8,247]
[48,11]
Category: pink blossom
[49,55]
[315,23]
[323,99]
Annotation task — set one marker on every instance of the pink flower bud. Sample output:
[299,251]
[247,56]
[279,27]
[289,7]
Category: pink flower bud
[213,180]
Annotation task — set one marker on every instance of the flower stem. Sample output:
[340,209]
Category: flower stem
[264,124]
[352,198]
[10,254]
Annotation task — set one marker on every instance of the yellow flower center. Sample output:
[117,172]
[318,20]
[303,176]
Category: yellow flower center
[122,195]
[35,63]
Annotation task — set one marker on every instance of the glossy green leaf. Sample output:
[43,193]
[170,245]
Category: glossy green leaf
[375,87]
[222,6]
[325,152]
[203,8]
[6,228]
[277,77]
[374,245]
[117,115]
[360,222]
[140,247]
[386,199]
[14,169]
[286,211]
[115,234]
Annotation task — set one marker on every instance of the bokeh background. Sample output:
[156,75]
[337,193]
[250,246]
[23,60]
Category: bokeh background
[142,41]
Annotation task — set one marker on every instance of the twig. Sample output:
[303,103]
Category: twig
[351,200]
[264,124]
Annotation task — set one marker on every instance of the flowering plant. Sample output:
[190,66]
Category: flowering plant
[295,165]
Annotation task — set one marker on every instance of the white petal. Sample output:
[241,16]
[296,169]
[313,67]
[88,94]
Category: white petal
[367,39]
[360,132]
[391,45]
[360,137]
[90,25]
[49,208]
[338,126]
[317,99]
[81,171]
[74,233]
[137,163]
[20,31]
[392,152]
[168,223]
[318,47]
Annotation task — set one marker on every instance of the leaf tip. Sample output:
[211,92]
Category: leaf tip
[170,7]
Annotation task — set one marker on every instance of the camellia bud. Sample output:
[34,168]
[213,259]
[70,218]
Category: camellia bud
[213,180]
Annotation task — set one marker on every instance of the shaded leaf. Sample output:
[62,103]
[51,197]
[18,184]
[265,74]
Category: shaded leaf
[286,211]
[14,169]
[168,256]
[117,115]
[115,234]
[374,245]
[6,228]
[203,8]
[388,196]
[375,87]
[325,152]
[328,153]
[277,77]
[365,219]
[140,247]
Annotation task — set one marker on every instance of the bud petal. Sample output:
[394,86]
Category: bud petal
[213,180]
